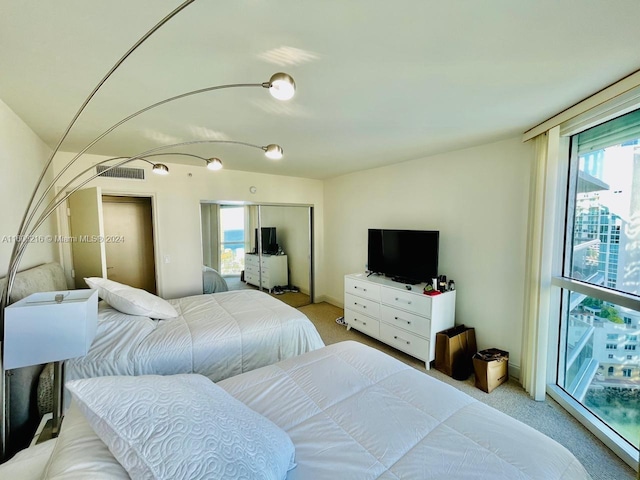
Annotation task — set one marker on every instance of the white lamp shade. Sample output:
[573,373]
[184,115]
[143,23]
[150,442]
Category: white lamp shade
[39,330]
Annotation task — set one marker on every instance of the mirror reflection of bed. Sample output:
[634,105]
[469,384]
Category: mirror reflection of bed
[232,261]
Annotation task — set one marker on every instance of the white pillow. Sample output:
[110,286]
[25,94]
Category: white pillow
[182,427]
[132,301]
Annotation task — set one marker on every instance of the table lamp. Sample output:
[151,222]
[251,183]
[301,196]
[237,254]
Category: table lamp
[50,327]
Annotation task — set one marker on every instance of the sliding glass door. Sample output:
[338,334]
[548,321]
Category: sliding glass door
[599,322]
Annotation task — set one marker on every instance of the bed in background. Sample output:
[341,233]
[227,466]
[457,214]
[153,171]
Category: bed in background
[212,281]
[217,335]
[350,411]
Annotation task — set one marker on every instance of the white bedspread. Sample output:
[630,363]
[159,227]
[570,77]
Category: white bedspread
[356,413]
[217,335]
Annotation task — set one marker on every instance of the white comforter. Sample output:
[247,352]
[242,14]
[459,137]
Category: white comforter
[356,413]
[217,335]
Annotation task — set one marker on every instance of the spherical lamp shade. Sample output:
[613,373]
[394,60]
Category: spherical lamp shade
[282,86]
[160,169]
[273,151]
[214,164]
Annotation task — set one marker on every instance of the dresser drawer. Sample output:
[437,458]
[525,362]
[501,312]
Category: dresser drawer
[416,303]
[252,279]
[252,269]
[255,272]
[255,280]
[363,323]
[407,342]
[362,289]
[363,305]
[405,320]
[251,260]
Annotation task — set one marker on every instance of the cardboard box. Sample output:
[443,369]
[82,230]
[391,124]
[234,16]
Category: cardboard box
[454,349]
[491,367]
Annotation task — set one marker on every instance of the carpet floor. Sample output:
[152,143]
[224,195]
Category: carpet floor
[294,299]
[547,417]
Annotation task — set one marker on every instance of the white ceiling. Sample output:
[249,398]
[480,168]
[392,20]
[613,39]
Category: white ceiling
[379,82]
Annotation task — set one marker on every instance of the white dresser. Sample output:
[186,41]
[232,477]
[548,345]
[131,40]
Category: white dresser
[274,270]
[404,318]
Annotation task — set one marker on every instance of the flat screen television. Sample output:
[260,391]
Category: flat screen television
[269,243]
[407,256]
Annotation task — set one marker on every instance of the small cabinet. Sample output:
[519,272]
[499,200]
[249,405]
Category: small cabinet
[397,314]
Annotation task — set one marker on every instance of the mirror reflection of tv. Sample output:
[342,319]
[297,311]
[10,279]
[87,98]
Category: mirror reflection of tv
[269,243]
[407,256]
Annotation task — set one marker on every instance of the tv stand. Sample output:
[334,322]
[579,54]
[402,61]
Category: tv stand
[404,318]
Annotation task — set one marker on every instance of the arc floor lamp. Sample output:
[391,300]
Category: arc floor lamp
[280,85]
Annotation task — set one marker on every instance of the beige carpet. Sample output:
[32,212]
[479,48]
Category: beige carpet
[294,299]
[547,417]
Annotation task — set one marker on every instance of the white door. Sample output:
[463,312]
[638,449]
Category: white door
[87,230]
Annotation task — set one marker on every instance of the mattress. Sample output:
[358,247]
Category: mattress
[218,335]
[353,412]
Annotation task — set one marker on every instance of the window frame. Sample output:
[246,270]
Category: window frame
[560,285]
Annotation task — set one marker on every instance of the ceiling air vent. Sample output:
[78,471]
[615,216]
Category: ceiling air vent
[121,172]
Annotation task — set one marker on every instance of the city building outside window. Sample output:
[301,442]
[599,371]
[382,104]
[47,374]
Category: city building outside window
[600,273]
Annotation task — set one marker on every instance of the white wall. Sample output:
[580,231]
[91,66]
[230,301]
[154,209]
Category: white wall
[477,198]
[22,157]
[177,198]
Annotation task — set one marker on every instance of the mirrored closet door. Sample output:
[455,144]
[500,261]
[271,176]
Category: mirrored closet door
[252,246]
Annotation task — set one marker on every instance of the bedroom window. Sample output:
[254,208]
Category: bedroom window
[233,241]
[599,287]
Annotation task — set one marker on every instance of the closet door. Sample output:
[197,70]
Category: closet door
[87,228]
[283,266]
[128,223]
[291,225]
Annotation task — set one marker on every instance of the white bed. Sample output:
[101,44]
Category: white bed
[351,412]
[212,281]
[217,335]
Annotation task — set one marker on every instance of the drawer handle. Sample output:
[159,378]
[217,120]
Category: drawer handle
[356,303]
[356,320]
[408,301]
[398,318]
[402,340]
[363,289]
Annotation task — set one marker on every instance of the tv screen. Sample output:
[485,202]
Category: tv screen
[410,256]
[269,243]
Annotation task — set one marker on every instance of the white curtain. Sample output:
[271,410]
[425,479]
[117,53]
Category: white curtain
[544,213]
[250,225]
[210,214]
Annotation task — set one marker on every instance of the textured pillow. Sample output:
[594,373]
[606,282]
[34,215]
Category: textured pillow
[182,427]
[132,301]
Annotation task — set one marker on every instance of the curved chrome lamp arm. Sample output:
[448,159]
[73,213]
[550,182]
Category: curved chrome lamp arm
[49,208]
[24,225]
[53,204]
[13,264]
[281,87]
[13,268]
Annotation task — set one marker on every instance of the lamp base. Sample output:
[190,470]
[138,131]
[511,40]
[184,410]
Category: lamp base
[48,431]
